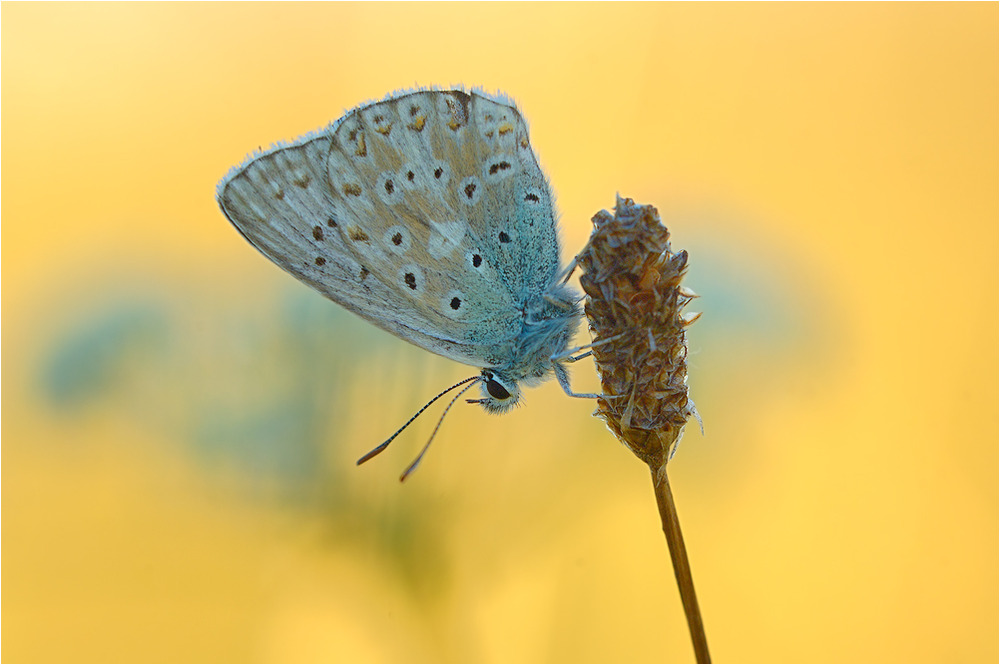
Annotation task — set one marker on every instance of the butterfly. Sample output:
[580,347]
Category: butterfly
[428,215]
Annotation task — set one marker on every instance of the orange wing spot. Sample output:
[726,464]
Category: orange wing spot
[360,148]
[505,128]
[357,234]
[352,190]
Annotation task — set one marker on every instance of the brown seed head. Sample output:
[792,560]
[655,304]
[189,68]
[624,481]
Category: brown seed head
[634,299]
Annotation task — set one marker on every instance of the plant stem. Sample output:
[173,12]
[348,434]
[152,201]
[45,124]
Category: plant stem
[682,569]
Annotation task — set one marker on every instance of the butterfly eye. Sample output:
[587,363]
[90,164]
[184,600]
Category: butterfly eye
[496,390]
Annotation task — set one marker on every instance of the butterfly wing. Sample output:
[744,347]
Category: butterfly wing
[279,202]
[426,214]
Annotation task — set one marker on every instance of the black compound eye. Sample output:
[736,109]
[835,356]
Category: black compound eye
[496,390]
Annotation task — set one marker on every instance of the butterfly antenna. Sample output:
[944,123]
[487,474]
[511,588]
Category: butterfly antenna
[385,444]
[413,467]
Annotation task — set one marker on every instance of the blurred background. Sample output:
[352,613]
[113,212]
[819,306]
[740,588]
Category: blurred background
[181,418]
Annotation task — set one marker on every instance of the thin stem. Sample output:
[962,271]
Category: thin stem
[682,569]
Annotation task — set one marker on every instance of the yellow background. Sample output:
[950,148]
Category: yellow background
[181,418]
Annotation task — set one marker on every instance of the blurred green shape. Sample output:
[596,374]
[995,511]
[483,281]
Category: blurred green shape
[86,364]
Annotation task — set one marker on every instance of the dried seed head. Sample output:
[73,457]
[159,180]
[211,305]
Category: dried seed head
[634,301]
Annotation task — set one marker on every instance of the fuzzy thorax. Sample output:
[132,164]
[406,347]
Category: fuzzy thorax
[549,323]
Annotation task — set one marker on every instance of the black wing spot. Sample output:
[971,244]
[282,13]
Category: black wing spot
[504,237]
[411,280]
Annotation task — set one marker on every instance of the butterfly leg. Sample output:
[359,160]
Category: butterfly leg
[563,377]
[567,272]
[561,303]
[568,356]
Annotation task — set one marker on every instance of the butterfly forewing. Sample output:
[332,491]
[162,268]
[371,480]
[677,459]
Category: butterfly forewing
[426,214]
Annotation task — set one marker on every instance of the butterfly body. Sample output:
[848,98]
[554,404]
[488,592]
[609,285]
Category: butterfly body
[428,215]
